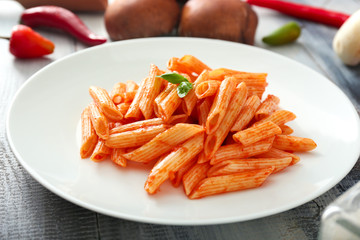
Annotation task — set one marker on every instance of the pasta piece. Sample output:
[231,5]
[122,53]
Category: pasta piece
[129,96]
[166,91]
[179,157]
[174,65]
[169,104]
[230,183]
[134,111]
[117,93]
[147,123]
[220,104]
[221,73]
[277,153]
[207,88]
[286,130]
[134,138]
[193,64]
[202,157]
[177,179]
[123,107]
[293,143]
[103,101]
[88,135]
[164,142]
[251,79]
[180,118]
[237,151]
[195,174]
[279,117]
[117,158]
[131,86]
[99,121]
[114,125]
[267,107]
[257,133]
[257,91]
[203,110]
[255,82]
[246,113]
[242,165]
[101,152]
[151,91]
[190,99]
[214,140]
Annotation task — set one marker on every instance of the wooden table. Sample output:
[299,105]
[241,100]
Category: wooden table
[29,211]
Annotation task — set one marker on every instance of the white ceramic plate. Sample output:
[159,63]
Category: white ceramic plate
[43,130]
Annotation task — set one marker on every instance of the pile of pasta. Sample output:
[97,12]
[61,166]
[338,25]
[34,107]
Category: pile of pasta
[221,137]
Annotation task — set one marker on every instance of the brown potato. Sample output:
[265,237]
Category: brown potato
[232,20]
[126,19]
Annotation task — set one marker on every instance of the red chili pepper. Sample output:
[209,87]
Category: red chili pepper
[306,12]
[26,43]
[60,18]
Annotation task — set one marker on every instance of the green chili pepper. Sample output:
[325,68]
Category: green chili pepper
[286,34]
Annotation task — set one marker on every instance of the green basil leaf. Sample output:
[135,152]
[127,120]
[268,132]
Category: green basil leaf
[173,78]
[184,88]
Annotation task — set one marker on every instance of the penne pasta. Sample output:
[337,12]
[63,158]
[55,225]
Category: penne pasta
[88,135]
[195,174]
[123,107]
[193,64]
[101,151]
[242,165]
[220,104]
[267,107]
[151,91]
[278,117]
[99,121]
[190,99]
[164,142]
[104,103]
[221,73]
[203,110]
[214,140]
[293,143]
[202,157]
[163,94]
[134,111]
[134,138]
[257,91]
[177,178]
[218,137]
[147,123]
[257,133]
[169,104]
[117,158]
[230,183]
[285,129]
[277,153]
[131,86]
[174,65]
[237,151]
[117,93]
[179,157]
[207,88]
[247,113]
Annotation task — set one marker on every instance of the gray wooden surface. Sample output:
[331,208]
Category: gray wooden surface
[29,211]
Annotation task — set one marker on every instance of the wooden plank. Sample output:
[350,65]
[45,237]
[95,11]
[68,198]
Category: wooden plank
[27,209]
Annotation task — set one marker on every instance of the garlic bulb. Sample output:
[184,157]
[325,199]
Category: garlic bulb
[346,42]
